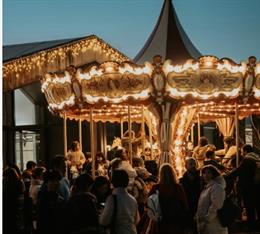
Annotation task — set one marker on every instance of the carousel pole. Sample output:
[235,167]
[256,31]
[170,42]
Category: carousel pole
[92,143]
[198,128]
[65,141]
[192,133]
[80,134]
[143,129]
[101,130]
[121,127]
[105,139]
[130,133]
[151,138]
[237,133]
[65,134]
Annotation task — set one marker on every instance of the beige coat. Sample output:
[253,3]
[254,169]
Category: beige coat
[199,153]
[211,199]
[76,158]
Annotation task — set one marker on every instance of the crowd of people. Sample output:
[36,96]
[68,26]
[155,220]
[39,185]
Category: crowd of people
[64,198]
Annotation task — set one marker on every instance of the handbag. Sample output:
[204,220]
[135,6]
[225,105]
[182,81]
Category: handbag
[229,212]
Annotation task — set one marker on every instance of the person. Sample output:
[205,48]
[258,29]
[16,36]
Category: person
[87,166]
[58,163]
[189,149]
[246,185]
[121,162]
[175,214]
[121,207]
[13,202]
[50,205]
[75,159]
[142,172]
[210,201]
[210,160]
[199,152]
[30,166]
[81,209]
[36,183]
[27,177]
[229,152]
[192,184]
[101,164]
[101,189]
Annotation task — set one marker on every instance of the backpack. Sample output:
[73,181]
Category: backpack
[229,212]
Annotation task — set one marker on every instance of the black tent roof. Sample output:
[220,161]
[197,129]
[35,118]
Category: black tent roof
[11,52]
[168,39]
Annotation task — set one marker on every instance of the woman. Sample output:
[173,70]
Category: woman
[81,209]
[173,202]
[121,162]
[101,164]
[211,200]
[75,159]
[13,201]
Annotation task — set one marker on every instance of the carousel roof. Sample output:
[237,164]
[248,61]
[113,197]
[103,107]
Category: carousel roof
[168,39]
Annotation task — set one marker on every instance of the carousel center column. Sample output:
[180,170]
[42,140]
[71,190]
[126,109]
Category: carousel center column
[163,108]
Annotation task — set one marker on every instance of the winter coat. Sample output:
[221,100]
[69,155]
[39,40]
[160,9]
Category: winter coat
[76,158]
[245,173]
[175,214]
[50,213]
[192,184]
[211,199]
[81,214]
[126,216]
[199,153]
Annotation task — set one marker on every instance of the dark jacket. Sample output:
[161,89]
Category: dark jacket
[174,207]
[193,185]
[82,214]
[50,216]
[245,172]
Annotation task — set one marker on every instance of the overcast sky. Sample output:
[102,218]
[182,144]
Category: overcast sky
[225,28]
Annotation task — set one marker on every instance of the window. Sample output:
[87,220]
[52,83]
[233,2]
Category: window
[24,109]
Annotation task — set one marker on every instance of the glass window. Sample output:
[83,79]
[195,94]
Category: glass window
[24,109]
[26,147]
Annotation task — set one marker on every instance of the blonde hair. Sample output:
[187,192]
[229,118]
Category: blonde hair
[167,175]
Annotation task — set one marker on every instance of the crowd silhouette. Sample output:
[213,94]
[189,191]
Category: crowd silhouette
[127,197]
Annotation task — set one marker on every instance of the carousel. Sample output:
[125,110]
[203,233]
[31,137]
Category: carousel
[164,97]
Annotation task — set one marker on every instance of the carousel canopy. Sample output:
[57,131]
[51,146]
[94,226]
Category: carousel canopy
[204,80]
[168,39]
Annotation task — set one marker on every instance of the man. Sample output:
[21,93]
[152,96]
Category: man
[121,210]
[246,183]
[58,163]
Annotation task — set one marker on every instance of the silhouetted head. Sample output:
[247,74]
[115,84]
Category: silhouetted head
[120,179]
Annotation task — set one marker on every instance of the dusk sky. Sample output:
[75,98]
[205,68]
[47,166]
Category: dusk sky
[224,28]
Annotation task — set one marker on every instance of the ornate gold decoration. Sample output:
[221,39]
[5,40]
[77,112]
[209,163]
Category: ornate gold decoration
[205,79]
[110,82]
